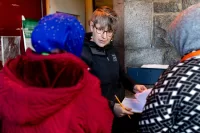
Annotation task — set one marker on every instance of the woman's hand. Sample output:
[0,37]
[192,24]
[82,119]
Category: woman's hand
[139,88]
[120,112]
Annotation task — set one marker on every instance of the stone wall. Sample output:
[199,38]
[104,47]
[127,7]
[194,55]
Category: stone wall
[144,27]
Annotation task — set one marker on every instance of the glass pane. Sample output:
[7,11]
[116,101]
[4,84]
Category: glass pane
[10,47]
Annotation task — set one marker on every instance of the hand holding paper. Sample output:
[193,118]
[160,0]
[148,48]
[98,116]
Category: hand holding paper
[126,111]
[139,88]
[137,105]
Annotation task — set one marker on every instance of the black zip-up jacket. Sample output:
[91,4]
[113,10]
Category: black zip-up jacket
[104,64]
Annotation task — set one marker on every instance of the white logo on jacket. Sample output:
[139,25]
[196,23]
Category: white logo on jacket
[114,57]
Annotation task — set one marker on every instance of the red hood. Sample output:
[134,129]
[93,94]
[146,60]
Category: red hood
[34,86]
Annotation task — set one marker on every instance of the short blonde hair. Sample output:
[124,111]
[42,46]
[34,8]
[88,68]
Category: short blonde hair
[106,17]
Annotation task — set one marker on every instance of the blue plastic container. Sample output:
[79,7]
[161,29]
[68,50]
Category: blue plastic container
[146,76]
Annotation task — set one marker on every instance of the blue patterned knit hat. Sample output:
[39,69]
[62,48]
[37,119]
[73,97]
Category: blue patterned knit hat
[58,31]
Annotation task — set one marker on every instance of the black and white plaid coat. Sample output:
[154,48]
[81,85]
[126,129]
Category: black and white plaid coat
[173,106]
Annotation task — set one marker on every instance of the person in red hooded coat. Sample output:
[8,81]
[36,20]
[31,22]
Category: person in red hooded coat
[50,90]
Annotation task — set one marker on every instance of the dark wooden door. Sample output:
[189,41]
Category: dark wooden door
[12,10]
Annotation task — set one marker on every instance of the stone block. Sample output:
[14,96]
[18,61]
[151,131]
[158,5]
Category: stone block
[138,57]
[172,6]
[163,1]
[187,3]
[138,0]
[138,23]
[170,56]
[161,23]
[167,1]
